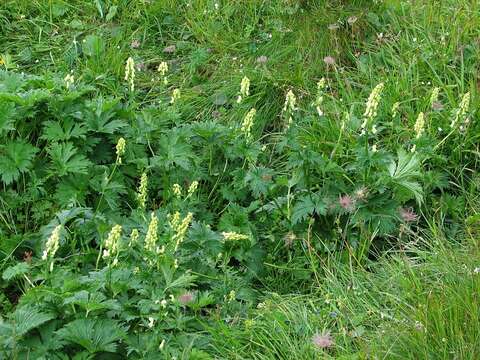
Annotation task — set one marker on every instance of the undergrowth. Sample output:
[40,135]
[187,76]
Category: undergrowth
[251,179]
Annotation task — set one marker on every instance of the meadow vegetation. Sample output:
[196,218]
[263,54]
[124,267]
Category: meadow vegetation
[251,179]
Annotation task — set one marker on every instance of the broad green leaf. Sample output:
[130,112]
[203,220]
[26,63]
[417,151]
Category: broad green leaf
[28,318]
[259,179]
[308,205]
[15,271]
[7,116]
[94,335]
[54,131]
[65,160]
[403,174]
[15,158]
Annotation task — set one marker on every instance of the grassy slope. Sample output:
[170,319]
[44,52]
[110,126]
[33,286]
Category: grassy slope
[420,306]
[424,44]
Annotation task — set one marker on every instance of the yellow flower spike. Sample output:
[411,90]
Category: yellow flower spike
[134,235]
[112,242]
[152,234]
[248,123]
[462,110]
[290,101]
[234,236]
[130,73]
[244,89]
[120,149]
[395,109]
[180,228]
[143,191]
[192,188]
[52,244]
[419,125]
[177,190]
[163,68]
[69,80]
[372,106]
[175,96]
[434,96]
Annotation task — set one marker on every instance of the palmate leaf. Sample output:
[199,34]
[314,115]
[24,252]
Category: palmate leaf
[15,271]
[92,301]
[65,160]
[403,174]
[7,116]
[28,318]
[15,158]
[54,131]
[308,205]
[93,335]
[174,151]
[99,118]
[259,180]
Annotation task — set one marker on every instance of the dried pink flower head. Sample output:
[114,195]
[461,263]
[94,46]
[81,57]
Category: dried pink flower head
[352,20]
[289,239]
[135,44]
[262,59]
[334,26]
[170,49]
[140,66]
[361,193]
[329,60]
[186,298]
[347,202]
[408,215]
[322,341]
[437,106]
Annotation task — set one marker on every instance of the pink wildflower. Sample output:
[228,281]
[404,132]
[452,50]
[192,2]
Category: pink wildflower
[186,298]
[408,215]
[347,202]
[322,341]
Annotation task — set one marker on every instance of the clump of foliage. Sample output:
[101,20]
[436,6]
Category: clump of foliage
[149,193]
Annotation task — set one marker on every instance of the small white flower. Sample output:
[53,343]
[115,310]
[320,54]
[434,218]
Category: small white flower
[151,322]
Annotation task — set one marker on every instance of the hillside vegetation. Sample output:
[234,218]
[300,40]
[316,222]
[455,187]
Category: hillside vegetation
[251,179]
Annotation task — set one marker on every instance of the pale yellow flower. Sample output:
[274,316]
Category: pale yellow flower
[395,109]
[180,227]
[52,244]
[420,125]
[244,89]
[143,191]
[130,73]
[434,96]
[175,96]
[152,234]
[234,236]
[163,69]
[248,123]
[133,237]
[69,80]
[290,102]
[462,110]
[320,95]
[112,242]
[120,149]
[192,188]
[372,106]
[177,190]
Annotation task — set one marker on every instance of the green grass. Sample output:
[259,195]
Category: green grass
[382,287]
[420,303]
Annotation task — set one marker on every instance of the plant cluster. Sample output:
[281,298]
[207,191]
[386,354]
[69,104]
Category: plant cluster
[137,212]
